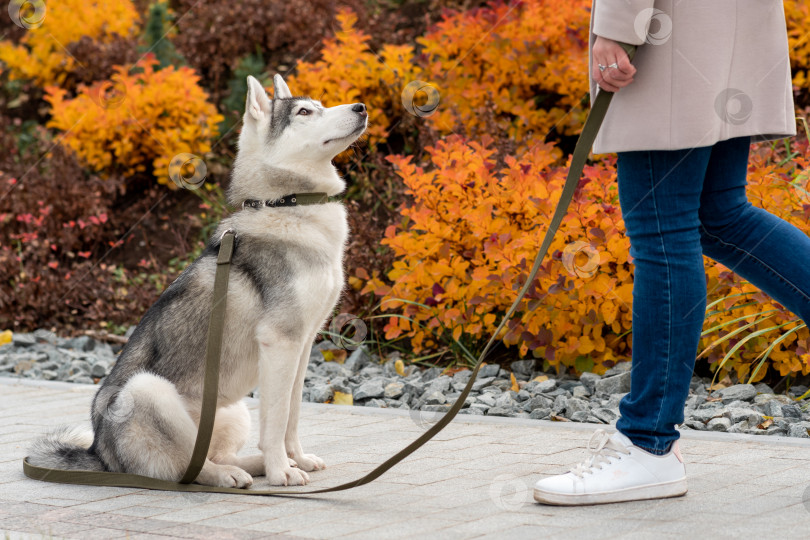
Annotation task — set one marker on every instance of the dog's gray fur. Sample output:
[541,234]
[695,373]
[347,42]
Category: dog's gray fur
[286,277]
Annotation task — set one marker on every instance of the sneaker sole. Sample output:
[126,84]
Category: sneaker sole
[665,490]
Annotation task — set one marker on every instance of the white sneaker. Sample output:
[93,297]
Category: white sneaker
[616,471]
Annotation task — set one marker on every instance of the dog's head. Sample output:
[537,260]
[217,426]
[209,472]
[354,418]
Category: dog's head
[291,137]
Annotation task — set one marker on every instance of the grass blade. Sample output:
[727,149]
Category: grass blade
[738,319]
[734,332]
[777,341]
[742,342]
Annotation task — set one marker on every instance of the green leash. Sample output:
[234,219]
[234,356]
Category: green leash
[213,351]
[217,321]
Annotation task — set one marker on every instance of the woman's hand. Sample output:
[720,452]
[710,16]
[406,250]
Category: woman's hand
[609,53]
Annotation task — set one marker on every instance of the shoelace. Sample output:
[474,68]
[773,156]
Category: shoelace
[601,452]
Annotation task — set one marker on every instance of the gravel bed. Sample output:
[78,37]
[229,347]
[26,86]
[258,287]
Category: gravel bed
[741,408]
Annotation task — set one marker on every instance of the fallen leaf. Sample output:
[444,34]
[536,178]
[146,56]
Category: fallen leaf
[334,355]
[540,378]
[343,398]
[5,337]
[725,383]
[714,399]
[399,366]
[558,418]
[515,386]
[765,424]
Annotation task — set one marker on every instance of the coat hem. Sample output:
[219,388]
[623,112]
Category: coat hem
[755,137]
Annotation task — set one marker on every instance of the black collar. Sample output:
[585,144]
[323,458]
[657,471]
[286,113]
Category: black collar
[293,199]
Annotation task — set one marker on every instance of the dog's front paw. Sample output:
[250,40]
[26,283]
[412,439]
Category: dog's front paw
[232,476]
[309,462]
[287,476]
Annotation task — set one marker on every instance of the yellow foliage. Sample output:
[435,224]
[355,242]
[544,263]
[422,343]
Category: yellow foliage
[349,71]
[522,64]
[797,16]
[139,116]
[5,337]
[519,66]
[42,53]
[466,245]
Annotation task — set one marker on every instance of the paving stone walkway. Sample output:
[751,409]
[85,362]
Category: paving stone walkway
[474,480]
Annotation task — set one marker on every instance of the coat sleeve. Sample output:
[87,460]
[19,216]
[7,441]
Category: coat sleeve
[622,20]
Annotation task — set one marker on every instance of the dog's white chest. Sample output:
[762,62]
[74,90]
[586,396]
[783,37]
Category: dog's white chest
[318,286]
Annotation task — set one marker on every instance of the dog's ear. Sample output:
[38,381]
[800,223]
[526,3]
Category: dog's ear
[257,104]
[280,89]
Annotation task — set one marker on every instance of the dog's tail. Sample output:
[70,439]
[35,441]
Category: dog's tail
[65,448]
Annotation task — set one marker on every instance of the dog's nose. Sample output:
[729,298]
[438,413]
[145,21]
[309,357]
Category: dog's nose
[359,108]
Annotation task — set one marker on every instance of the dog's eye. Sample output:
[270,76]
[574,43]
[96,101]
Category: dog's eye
[304,112]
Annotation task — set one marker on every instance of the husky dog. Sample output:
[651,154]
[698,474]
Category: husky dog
[286,277]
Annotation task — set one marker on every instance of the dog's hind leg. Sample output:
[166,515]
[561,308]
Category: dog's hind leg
[157,437]
[231,430]
[307,462]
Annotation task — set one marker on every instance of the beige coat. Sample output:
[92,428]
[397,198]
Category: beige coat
[708,70]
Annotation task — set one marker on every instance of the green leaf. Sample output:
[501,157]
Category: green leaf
[583,363]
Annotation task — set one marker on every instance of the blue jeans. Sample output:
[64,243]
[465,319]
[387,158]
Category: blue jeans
[677,206]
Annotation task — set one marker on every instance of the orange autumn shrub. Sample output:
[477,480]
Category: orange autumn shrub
[519,65]
[797,16]
[515,69]
[140,116]
[42,54]
[467,244]
[349,71]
